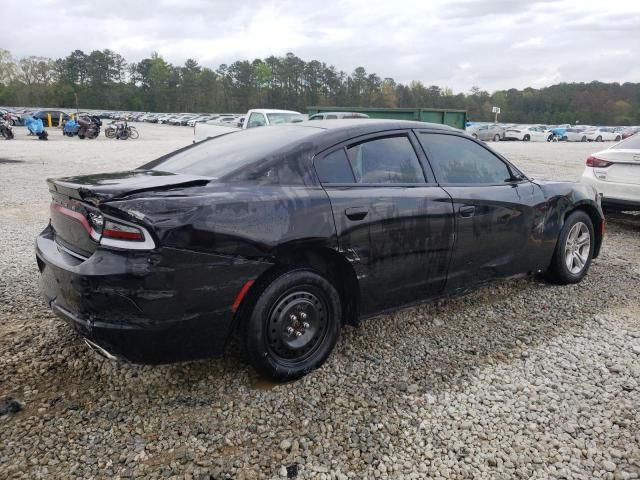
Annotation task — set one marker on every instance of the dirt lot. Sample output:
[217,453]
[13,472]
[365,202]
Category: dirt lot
[517,380]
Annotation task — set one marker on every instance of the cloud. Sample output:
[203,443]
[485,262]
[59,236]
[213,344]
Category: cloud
[453,43]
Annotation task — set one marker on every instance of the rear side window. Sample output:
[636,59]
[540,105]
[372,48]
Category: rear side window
[334,168]
[385,160]
[460,160]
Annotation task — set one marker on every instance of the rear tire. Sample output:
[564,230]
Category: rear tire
[290,324]
[574,250]
[496,138]
[583,139]
[598,138]
[618,138]
[526,138]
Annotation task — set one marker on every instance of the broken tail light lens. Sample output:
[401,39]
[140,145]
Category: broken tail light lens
[119,231]
[597,162]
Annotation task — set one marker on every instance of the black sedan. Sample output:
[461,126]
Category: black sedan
[281,235]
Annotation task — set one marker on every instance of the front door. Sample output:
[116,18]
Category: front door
[393,223]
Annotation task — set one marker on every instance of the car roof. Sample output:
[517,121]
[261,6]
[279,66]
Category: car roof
[371,125]
[333,132]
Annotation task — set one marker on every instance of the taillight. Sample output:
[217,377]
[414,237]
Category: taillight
[596,162]
[120,231]
[120,234]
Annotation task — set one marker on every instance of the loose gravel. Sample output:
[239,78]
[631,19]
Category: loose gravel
[519,379]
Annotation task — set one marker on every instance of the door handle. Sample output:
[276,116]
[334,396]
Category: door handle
[356,213]
[467,211]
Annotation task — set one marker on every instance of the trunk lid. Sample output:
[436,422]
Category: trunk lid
[75,207]
[102,187]
[625,168]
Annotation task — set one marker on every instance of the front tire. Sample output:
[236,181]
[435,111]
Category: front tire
[599,138]
[291,324]
[574,250]
[526,138]
[496,138]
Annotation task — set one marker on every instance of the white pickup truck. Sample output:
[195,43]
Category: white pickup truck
[258,117]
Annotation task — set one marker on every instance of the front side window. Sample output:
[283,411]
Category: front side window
[385,160]
[460,160]
[256,120]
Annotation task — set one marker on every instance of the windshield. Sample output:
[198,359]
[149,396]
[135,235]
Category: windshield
[222,155]
[276,118]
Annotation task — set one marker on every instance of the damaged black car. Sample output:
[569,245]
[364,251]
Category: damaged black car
[281,235]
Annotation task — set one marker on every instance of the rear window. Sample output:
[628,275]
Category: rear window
[222,155]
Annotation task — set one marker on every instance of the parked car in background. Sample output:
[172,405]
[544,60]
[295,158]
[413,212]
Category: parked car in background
[602,134]
[629,131]
[257,117]
[531,133]
[615,173]
[558,131]
[337,115]
[200,118]
[575,134]
[493,132]
[56,116]
[298,229]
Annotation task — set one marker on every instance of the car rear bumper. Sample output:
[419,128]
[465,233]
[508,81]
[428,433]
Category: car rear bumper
[614,195]
[152,307]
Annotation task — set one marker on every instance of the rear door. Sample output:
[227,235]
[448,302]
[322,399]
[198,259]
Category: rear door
[394,224]
[496,215]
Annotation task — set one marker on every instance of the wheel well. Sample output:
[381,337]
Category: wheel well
[595,217]
[335,267]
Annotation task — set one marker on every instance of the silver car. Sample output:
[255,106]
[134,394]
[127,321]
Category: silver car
[488,132]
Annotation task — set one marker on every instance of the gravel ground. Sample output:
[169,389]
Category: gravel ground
[517,380]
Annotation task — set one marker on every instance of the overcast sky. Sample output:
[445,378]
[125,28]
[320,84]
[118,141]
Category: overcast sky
[457,43]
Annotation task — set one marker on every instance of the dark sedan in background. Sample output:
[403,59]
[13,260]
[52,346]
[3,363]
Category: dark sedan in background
[56,116]
[281,235]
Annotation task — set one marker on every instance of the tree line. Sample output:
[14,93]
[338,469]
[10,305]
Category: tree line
[105,80]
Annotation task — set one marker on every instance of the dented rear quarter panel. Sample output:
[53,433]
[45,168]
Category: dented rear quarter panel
[240,220]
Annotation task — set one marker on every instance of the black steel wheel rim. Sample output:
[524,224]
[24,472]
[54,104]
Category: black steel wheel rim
[297,325]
